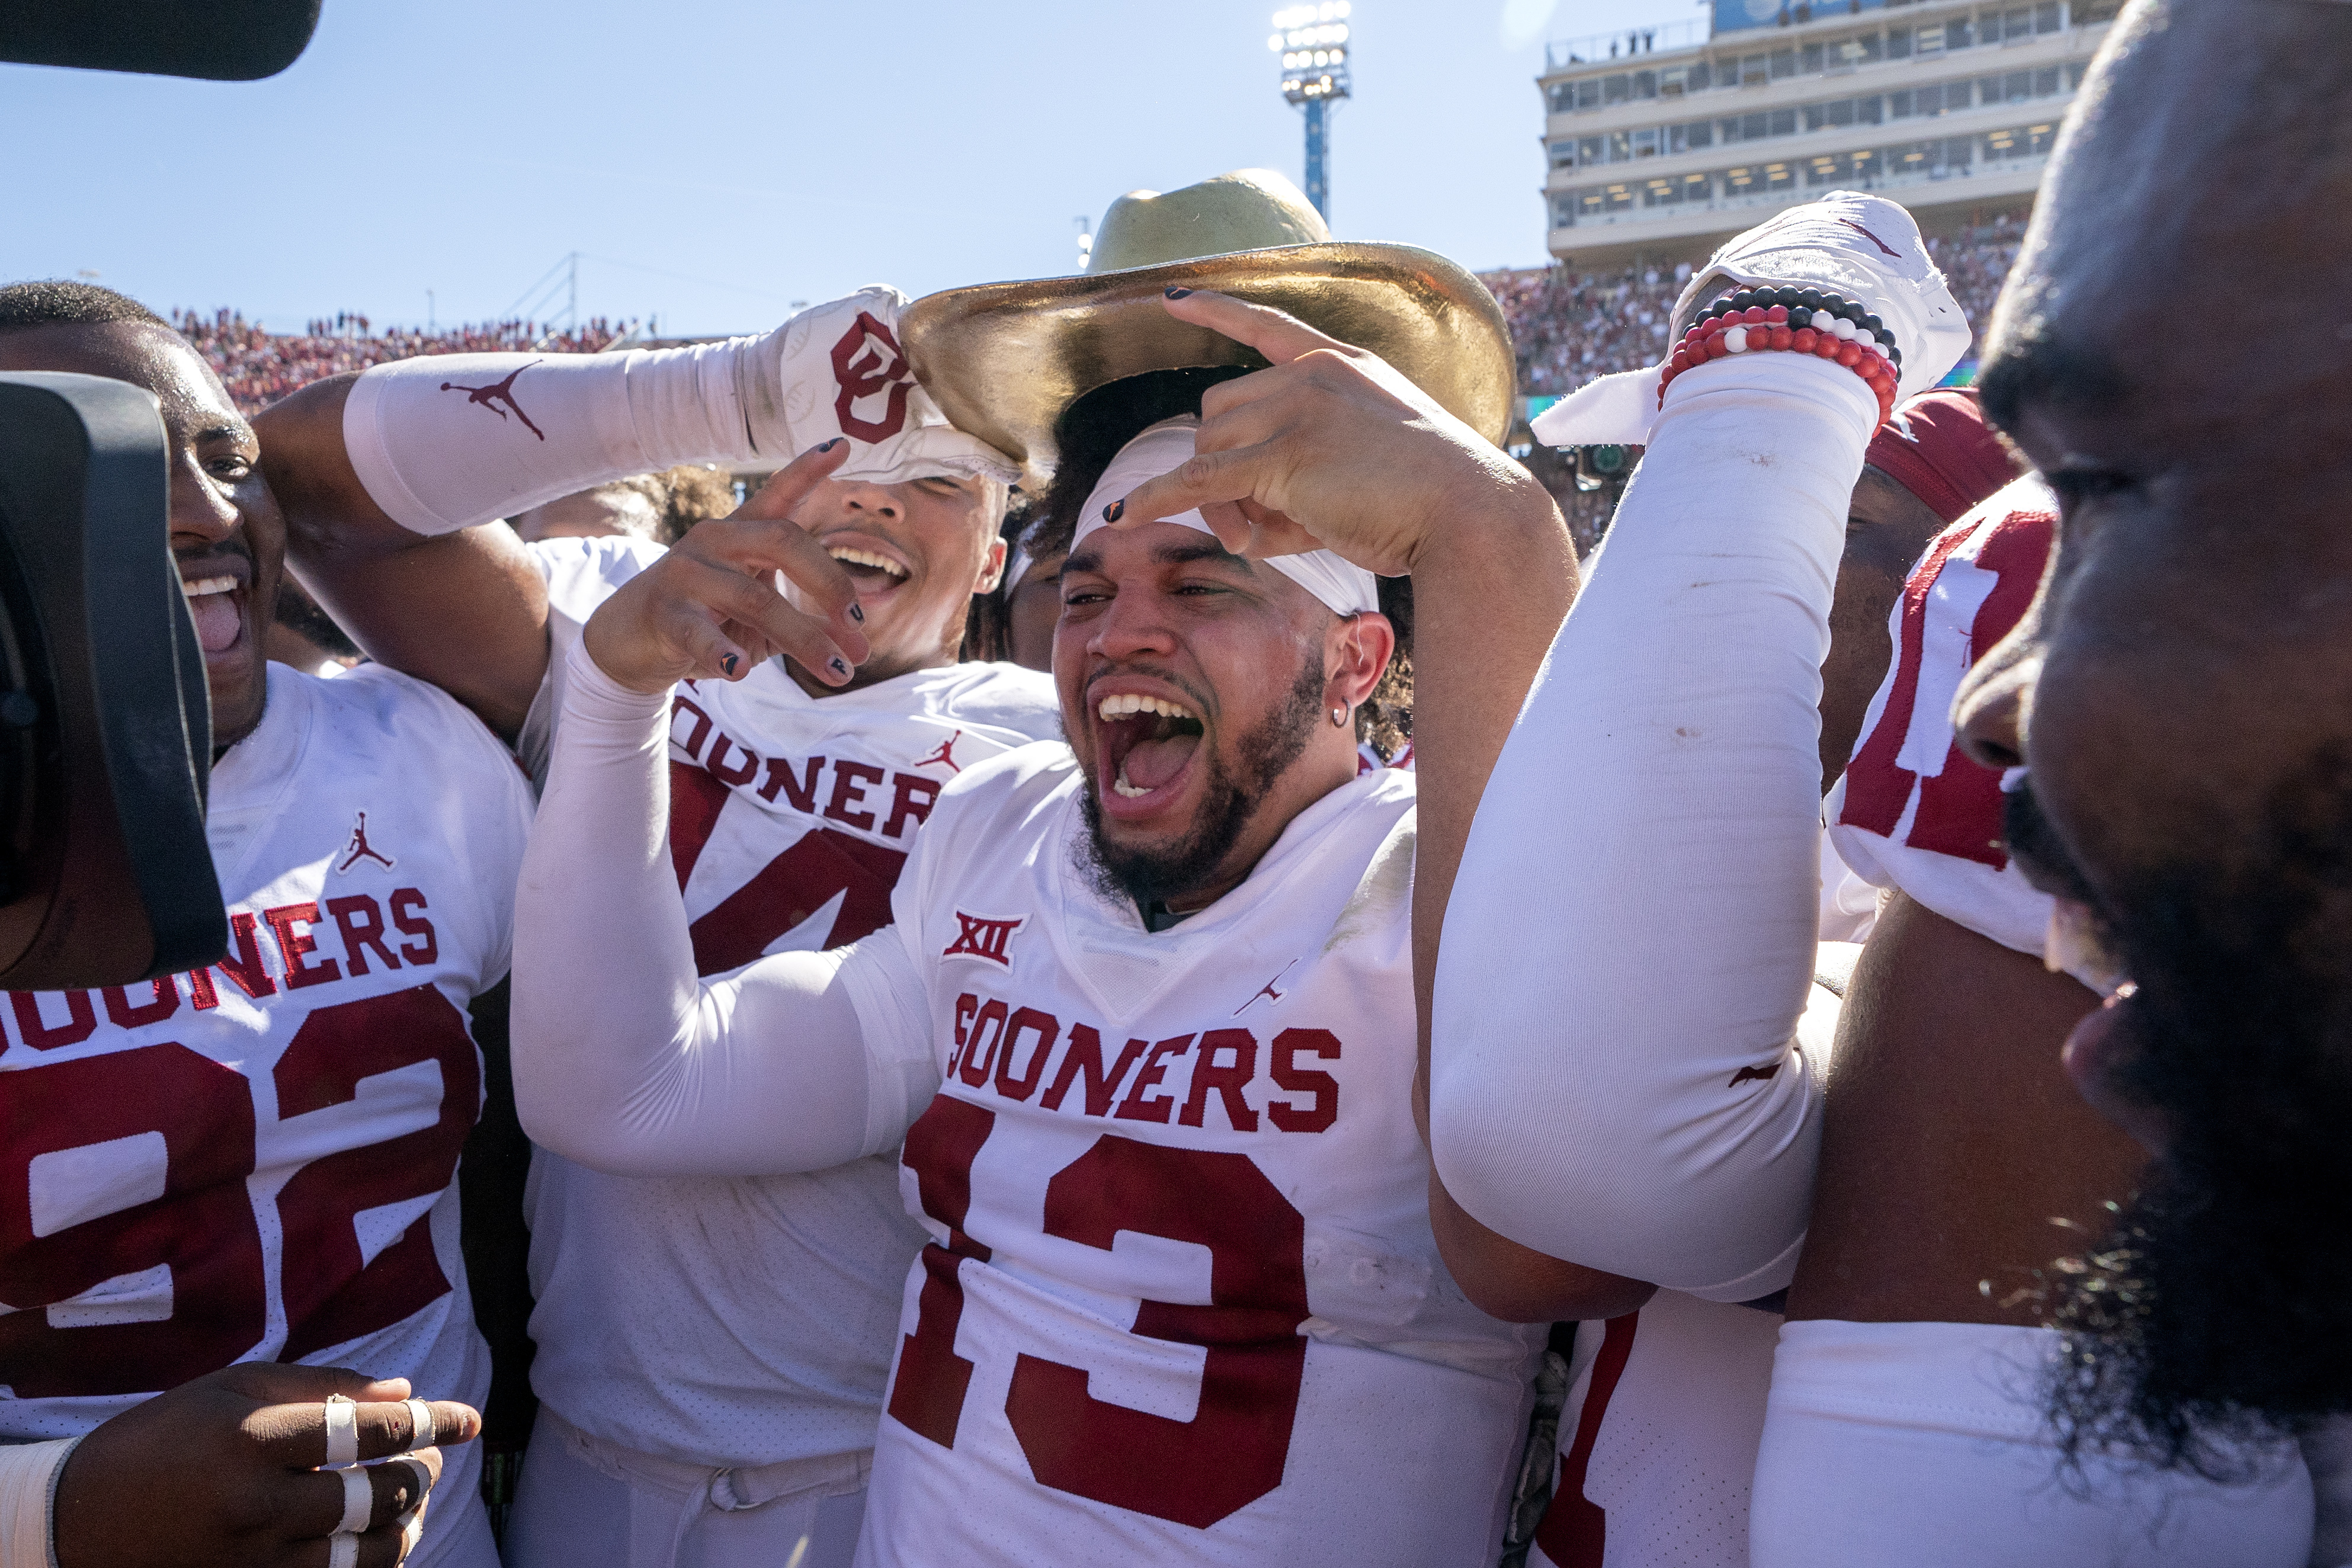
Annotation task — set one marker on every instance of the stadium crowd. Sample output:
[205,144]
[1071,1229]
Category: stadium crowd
[258,367]
[1573,327]
[1251,1010]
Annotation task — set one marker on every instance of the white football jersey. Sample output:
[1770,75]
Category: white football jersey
[255,1161]
[1658,1440]
[743,1321]
[1911,811]
[1180,1303]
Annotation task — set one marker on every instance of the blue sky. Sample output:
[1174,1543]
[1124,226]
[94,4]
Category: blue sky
[716,160]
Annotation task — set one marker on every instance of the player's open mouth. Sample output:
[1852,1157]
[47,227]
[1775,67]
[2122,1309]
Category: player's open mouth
[1145,745]
[871,569]
[216,603]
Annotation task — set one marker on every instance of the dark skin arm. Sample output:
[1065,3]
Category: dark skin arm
[465,611]
[1957,1160]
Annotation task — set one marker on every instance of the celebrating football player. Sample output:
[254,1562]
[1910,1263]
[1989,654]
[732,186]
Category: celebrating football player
[2178,692]
[253,1161]
[1142,1023]
[711,1350]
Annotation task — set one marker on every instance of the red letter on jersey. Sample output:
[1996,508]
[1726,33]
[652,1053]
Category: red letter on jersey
[81,1019]
[408,916]
[1228,1082]
[1319,1043]
[243,963]
[1137,1107]
[975,1066]
[294,945]
[362,923]
[848,776]
[1047,1028]
[162,1004]
[1086,1055]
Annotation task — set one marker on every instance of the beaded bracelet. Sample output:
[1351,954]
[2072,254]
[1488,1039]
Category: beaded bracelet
[1801,321]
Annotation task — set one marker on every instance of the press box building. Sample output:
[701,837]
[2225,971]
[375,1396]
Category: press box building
[1662,142]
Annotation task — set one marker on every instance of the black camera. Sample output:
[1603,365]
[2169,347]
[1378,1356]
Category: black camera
[105,717]
[105,721]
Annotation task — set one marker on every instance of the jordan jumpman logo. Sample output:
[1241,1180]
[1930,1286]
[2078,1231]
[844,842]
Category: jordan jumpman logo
[1266,992]
[499,393]
[359,849]
[946,752]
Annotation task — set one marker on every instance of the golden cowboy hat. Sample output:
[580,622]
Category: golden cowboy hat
[1004,359]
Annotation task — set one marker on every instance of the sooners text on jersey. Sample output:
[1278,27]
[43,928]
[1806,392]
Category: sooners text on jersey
[254,1161]
[1182,1301]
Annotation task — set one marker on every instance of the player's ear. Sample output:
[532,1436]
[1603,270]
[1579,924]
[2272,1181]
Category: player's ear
[992,569]
[1358,654]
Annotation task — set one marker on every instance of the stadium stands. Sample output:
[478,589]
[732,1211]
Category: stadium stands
[1573,327]
[259,367]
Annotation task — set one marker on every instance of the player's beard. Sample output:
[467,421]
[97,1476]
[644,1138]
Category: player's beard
[1232,796]
[2217,1312]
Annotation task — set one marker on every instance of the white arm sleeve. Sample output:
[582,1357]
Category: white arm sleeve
[452,441]
[1643,873]
[28,1480]
[622,1059]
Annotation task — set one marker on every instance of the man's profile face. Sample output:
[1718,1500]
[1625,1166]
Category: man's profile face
[1192,684]
[227,533]
[918,551]
[2182,693]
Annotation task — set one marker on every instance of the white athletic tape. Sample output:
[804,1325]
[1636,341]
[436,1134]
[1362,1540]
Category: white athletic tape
[343,1551]
[342,1432]
[421,1429]
[359,1500]
[411,1533]
[424,1487]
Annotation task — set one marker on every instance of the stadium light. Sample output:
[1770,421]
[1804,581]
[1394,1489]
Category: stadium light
[1312,42]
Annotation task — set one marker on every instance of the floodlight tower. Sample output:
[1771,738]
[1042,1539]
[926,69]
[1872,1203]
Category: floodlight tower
[1313,43]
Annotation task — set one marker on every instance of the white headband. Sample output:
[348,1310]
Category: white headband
[1347,589]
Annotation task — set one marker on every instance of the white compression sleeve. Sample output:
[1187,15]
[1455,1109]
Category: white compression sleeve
[1926,1444]
[1643,866]
[626,1062]
[452,441]
[28,1475]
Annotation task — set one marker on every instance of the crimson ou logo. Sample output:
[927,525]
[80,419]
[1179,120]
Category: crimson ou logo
[867,362]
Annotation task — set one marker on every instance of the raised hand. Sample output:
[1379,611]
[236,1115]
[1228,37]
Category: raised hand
[709,608]
[1331,447]
[223,1472]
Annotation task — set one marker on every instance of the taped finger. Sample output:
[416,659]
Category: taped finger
[421,1433]
[342,1431]
[420,1492]
[359,1500]
[343,1551]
